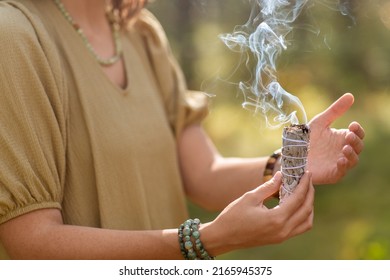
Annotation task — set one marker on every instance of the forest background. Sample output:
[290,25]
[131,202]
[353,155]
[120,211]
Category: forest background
[329,53]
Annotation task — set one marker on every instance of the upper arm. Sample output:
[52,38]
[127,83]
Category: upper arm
[183,107]
[197,154]
[32,118]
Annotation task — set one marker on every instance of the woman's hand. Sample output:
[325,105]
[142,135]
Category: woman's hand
[334,151]
[247,222]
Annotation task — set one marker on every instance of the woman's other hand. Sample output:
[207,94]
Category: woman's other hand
[334,151]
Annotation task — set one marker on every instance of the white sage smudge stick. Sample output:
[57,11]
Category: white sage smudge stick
[295,149]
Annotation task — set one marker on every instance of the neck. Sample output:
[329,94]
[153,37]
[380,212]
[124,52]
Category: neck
[90,14]
[99,34]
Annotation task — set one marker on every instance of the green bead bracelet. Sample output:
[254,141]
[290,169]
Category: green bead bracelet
[187,232]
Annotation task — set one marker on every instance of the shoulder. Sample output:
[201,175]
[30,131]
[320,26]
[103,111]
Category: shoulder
[22,31]
[24,39]
[147,19]
[14,24]
[150,28]
[20,50]
[28,56]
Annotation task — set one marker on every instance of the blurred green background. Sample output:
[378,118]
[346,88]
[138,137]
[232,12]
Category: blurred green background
[329,54]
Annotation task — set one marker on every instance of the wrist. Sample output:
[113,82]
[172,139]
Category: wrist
[214,240]
[278,165]
[191,241]
[272,166]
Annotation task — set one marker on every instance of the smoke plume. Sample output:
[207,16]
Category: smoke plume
[264,38]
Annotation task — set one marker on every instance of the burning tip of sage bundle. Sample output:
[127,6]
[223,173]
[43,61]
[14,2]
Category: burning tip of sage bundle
[295,150]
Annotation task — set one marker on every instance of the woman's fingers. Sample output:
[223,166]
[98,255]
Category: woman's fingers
[301,212]
[357,129]
[335,110]
[354,141]
[297,198]
[267,189]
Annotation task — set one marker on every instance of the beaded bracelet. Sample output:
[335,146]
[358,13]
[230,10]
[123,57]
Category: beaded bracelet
[270,166]
[187,231]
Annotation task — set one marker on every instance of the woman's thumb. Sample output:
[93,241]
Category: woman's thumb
[269,188]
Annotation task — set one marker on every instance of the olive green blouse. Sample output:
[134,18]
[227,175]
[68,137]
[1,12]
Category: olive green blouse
[71,139]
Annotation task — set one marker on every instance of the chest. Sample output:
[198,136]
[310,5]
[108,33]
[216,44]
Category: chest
[113,124]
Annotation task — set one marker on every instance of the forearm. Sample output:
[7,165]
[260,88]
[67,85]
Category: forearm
[75,242]
[226,180]
[211,180]
[245,223]
[41,235]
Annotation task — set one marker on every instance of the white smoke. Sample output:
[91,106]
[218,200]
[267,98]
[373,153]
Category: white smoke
[264,37]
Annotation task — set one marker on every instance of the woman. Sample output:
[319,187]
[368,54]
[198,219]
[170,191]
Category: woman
[101,141]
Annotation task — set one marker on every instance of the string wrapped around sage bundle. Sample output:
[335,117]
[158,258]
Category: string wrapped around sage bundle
[295,149]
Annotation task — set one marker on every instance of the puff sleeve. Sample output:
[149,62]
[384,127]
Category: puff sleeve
[32,117]
[183,107]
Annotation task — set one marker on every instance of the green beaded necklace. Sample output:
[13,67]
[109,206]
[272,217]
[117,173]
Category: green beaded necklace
[115,30]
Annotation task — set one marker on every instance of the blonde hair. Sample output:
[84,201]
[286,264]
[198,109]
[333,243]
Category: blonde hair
[127,9]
